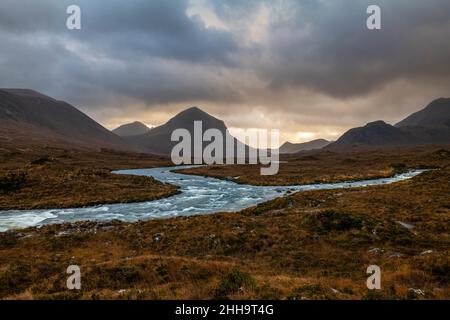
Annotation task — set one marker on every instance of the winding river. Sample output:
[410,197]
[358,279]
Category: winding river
[199,195]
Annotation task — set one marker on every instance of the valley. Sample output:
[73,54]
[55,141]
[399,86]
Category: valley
[306,245]
[43,178]
[312,244]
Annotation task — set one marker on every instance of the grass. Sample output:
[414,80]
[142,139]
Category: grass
[31,180]
[233,282]
[307,245]
[330,167]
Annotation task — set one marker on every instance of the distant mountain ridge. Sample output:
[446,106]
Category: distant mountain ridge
[289,147]
[430,125]
[158,139]
[30,117]
[131,129]
[436,114]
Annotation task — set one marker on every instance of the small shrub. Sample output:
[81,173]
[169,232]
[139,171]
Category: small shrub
[114,278]
[64,295]
[330,220]
[7,240]
[233,282]
[41,160]
[13,181]
[163,272]
[15,279]
[276,204]
[380,295]
[310,291]
[440,269]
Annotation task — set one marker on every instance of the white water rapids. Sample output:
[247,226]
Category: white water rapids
[199,195]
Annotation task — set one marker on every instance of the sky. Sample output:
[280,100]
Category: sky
[310,68]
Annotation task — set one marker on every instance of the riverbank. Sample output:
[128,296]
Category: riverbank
[44,178]
[197,195]
[331,167]
[308,245]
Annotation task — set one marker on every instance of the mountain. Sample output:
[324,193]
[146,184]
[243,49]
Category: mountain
[131,129]
[430,125]
[158,139]
[436,114]
[30,118]
[289,147]
[377,133]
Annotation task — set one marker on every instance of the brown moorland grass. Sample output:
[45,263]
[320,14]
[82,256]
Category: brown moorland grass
[307,245]
[35,177]
[330,167]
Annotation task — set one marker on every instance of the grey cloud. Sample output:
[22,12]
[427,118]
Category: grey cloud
[158,47]
[316,57]
[328,48]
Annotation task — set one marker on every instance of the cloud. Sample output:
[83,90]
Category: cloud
[325,46]
[306,66]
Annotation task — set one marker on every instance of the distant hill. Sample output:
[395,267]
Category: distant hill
[430,125]
[289,147]
[158,139]
[436,114]
[28,117]
[377,133]
[131,129]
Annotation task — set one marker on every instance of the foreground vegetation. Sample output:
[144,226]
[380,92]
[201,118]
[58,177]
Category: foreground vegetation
[331,167]
[307,245]
[55,178]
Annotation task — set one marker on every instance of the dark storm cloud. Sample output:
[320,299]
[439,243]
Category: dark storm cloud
[327,47]
[154,28]
[139,27]
[310,57]
[150,50]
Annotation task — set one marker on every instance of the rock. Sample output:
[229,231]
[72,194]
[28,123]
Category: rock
[406,225]
[42,160]
[396,255]
[376,251]
[106,228]
[417,292]
[62,233]
[158,237]
[27,235]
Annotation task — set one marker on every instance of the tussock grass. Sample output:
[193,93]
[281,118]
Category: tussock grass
[307,245]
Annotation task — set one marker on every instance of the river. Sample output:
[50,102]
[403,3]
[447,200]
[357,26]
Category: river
[199,195]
